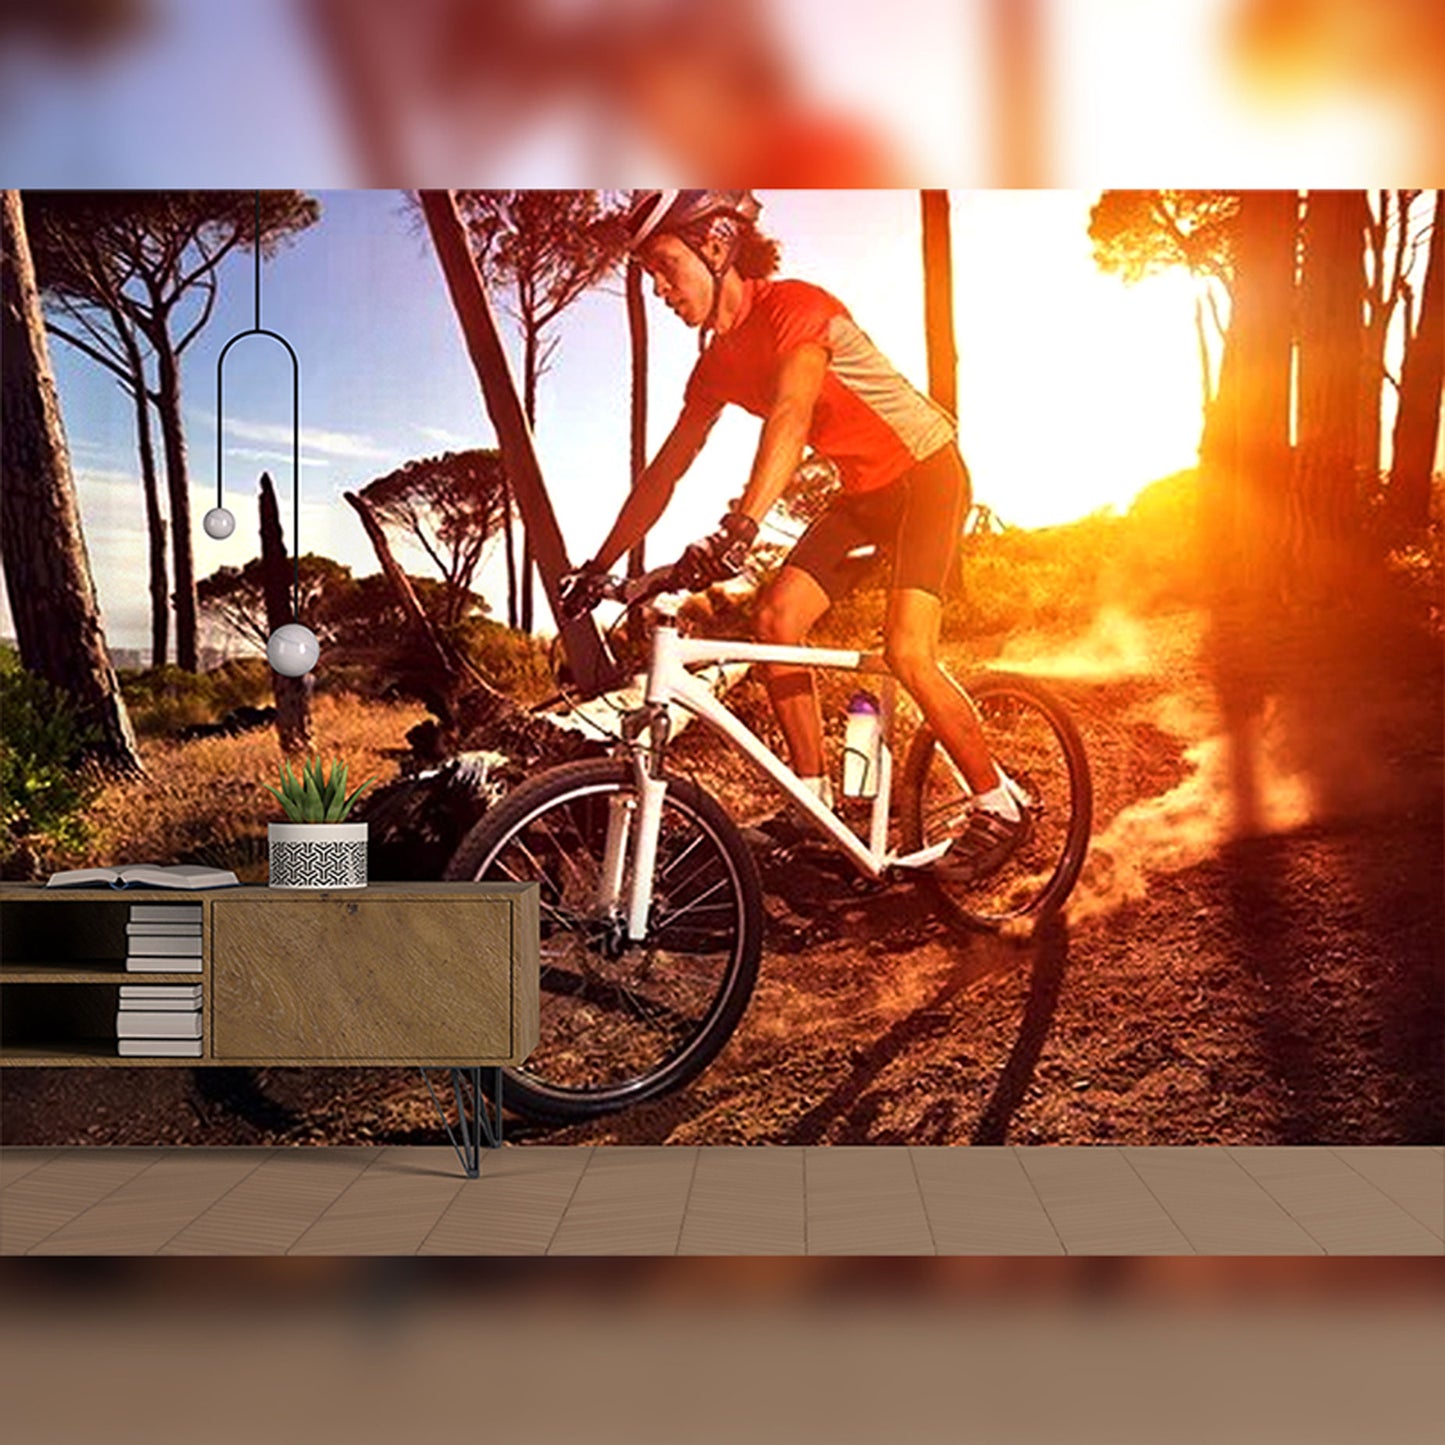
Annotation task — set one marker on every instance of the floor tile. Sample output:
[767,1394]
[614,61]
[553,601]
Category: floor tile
[143,1214]
[1343,1211]
[1216,1205]
[628,1201]
[274,1205]
[514,1207]
[980,1201]
[746,1201]
[1098,1204]
[864,1200]
[15,1164]
[51,1196]
[390,1208]
[1413,1178]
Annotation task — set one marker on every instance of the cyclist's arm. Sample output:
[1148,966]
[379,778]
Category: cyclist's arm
[649,498]
[785,432]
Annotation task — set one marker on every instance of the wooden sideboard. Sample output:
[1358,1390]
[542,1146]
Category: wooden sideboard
[439,975]
[395,973]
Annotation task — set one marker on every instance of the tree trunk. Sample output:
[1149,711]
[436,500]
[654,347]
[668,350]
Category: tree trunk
[1378,305]
[529,569]
[509,519]
[47,570]
[293,694]
[173,437]
[1324,514]
[591,664]
[529,410]
[1244,477]
[1417,425]
[150,486]
[1206,378]
[637,338]
[1245,452]
[938,322]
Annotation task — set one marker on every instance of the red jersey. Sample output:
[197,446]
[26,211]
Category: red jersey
[868,418]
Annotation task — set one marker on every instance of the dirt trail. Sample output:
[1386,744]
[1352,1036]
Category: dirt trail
[1202,989]
[1284,988]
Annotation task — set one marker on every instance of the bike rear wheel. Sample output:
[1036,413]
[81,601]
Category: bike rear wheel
[1033,739]
[622,1023]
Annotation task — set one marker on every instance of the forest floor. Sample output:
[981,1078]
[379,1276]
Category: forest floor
[1203,986]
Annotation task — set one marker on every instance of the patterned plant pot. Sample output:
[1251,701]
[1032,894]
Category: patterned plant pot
[317,855]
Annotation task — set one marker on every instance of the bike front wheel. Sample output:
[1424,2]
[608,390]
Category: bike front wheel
[622,1022]
[1033,739]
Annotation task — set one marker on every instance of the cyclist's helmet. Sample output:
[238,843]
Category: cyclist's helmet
[690,215]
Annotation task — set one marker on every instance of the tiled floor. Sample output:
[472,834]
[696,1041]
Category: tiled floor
[791,1201]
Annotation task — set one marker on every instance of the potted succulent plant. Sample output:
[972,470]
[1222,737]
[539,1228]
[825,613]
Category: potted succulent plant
[317,848]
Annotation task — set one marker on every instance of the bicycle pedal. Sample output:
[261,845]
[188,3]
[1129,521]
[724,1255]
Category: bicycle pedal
[922,860]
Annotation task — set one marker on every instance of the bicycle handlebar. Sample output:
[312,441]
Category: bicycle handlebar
[633,590]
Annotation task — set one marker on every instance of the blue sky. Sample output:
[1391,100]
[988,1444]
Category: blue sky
[1074,390]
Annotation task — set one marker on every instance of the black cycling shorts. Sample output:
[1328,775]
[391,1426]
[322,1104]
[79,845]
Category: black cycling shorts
[917,521]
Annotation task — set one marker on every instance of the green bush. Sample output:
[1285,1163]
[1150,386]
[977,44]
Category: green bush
[42,791]
[163,699]
[511,661]
[1017,580]
[1144,561]
[240,682]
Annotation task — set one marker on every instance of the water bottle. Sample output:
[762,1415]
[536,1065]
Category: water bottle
[862,746]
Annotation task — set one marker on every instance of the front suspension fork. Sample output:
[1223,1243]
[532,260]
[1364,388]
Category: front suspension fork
[651,792]
[634,824]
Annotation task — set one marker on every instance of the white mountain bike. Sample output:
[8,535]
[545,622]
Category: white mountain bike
[652,906]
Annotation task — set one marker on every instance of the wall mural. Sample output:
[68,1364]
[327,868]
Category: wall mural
[1155,475]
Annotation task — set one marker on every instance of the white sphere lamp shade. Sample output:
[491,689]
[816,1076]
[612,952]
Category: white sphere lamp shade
[219,523]
[292,650]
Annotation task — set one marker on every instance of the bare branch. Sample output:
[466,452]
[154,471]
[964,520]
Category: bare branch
[119,367]
[207,306]
[419,533]
[209,261]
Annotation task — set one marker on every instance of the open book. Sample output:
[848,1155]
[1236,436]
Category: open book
[146,875]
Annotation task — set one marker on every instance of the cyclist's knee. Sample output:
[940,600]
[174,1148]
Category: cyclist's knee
[910,659]
[777,623]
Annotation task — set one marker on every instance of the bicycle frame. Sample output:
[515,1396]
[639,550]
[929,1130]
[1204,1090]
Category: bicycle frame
[668,681]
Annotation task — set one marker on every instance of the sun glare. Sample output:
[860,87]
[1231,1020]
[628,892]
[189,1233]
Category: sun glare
[1076,391]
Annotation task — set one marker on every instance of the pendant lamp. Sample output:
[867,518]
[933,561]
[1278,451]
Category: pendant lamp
[292,649]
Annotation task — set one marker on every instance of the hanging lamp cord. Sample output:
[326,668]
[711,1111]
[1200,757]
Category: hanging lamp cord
[295,443]
[258,330]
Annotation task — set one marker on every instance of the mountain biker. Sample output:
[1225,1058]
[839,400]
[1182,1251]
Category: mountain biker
[790,353]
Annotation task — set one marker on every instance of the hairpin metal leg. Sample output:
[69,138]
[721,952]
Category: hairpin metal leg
[476,1121]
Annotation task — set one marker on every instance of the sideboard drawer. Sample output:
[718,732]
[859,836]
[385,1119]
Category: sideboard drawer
[314,980]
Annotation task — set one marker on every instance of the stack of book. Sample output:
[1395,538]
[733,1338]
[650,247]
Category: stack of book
[159,1019]
[163,938]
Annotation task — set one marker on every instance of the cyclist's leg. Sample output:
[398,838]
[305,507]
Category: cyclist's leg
[817,572]
[793,602]
[937,495]
[911,648]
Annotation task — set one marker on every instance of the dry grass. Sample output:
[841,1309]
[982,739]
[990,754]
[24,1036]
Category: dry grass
[205,798]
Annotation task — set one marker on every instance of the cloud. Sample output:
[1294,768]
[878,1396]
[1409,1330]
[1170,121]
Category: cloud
[105,477]
[349,445]
[262,454]
[452,441]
